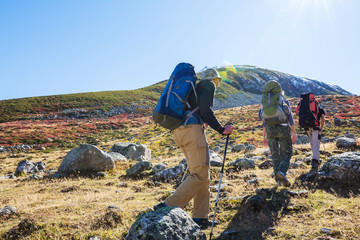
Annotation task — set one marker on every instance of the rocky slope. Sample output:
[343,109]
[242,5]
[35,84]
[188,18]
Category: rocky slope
[243,85]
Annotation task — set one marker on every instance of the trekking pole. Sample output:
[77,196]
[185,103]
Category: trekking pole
[182,179]
[217,197]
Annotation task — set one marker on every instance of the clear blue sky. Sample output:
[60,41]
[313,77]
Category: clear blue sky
[72,46]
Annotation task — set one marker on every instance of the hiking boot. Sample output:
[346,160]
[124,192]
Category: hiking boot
[281,177]
[204,222]
[314,166]
[160,205]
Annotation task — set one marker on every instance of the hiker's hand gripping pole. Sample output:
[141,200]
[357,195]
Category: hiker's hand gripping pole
[217,196]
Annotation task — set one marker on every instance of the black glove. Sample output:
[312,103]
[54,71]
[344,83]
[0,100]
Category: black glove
[319,136]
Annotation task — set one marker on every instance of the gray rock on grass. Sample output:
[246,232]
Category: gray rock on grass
[167,223]
[28,167]
[345,142]
[138,168]
[138,152]
[170,173]
[243,163]
[343,167]
[86,159]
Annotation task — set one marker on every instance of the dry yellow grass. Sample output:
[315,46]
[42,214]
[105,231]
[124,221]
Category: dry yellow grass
[73,207]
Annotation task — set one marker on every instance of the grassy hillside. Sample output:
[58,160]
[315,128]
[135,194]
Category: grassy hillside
[76,207]
[26,108]
[243,80]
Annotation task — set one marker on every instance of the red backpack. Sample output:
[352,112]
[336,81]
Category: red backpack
[307,110]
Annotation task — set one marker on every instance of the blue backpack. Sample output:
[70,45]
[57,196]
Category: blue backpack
[171,110]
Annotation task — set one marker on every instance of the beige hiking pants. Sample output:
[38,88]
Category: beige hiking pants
[192,141]
[315,143]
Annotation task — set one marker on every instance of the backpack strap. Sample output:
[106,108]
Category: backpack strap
[193,87]
[190,115]
[169,90]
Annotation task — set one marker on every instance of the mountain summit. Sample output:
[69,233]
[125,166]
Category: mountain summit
[243,85]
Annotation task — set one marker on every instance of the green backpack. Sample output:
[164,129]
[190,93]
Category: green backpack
[274,110]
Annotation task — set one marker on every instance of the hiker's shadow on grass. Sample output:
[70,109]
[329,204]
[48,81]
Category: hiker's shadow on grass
[341,189]
[257,215]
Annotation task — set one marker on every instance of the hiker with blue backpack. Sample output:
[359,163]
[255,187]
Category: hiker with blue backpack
[278,129]
[185,107]
[312,119]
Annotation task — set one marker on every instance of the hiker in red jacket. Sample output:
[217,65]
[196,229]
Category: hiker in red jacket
[191,138]
[314,128]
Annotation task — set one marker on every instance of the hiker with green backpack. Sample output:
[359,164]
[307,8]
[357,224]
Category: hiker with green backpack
[278,129]
[185,107]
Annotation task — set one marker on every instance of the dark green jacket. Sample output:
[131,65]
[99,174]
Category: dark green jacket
[205,91]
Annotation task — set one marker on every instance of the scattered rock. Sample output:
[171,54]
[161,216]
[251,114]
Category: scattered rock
[350,135]
[250,148]
[215,187]
[238,148]
[243,163]
[9,176]
[346,143]
[257,158]
[101,174]
[343,167]
[133,151]
[170,173]
[138,168]
[254,181]
[114,207]
[25,167]
[266,165]
[34,177]
[215,159]
[8,210]
[158,168]
[302,139]
[299,194]
[164,224]
[337,121]
[297,165]
[86,159]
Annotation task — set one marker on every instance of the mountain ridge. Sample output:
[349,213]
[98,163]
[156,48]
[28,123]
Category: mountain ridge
[241,85]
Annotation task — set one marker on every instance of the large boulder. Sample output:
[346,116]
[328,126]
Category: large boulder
[86,159]
[138,152]
[167,223]
[345,142]
[343,167]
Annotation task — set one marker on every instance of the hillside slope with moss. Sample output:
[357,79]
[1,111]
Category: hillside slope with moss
[242,85]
